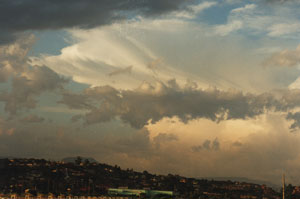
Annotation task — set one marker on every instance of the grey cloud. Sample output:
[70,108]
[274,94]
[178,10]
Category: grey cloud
[207,145]
[55,141]
[290,100]
[45,141]
[216,144]
[137,144]
[26,87]
[197,148]
[7,37]
[121,71]
[76,118]
[6,129]
[27,82]
[237,144]
[134,149]
[295,117]
[152,103]
[163,137]
[23,15]
[32,119]
[76,101]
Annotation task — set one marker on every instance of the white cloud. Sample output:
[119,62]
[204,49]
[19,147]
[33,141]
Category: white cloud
[244,9]
[101,51]
[232,1]
[224,30]
[189,49]
[280,22]
[284,29]
[194,10]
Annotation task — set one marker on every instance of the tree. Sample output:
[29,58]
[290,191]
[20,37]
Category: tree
[288,191]
[78,160]
[86,162]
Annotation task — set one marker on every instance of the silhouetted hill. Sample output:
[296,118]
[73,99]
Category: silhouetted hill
[243,179]
[75,176]
[73,159]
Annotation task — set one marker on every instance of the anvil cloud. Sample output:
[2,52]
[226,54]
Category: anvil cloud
[200,88]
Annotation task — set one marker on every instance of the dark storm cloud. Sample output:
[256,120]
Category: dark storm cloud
[22,15]
[7,36]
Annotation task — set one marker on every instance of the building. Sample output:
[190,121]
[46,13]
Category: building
[140,193]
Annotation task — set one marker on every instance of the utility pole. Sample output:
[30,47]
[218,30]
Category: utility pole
[283,186]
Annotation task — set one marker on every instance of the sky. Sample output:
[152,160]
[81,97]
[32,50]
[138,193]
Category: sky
[191,87]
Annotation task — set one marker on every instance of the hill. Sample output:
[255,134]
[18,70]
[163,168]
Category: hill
[91,178]
[83,159]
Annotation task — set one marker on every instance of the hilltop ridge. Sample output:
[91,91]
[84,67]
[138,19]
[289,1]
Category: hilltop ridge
[92,178]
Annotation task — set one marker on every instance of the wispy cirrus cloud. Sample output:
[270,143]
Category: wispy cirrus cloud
[246,8]
[224,30]
[193,10]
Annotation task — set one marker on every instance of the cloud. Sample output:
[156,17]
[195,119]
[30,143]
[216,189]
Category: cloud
[284,29]
[31,83]
[295,117]
[285,58]
[48,140]
[258,19]
[162,138]
[13,57]
[103,51]
[244,9]
[208,145]
[264,144]
[153,65]
[23,15]
[192,11]
[27,82]
[267,146]
[224,30]
[76,101]
[196,55]
[121,71]
[279,1]
[151,103]
[237,144]
[32,119]
[5,128]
